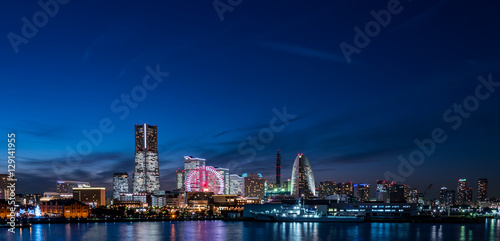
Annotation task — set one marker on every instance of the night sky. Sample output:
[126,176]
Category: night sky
[229,73]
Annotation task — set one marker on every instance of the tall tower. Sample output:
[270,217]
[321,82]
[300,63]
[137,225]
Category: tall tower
[482,189]
[302,178]
[462,191]
[278,169]
[147,171]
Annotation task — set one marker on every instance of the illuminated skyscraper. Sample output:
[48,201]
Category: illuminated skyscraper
[278,169]
[191,163]
[462,191]
[446,197]
[413,196]
[147,171]
[382,193]
[482,189]
[327,188]
[224,172]
[303,185]
[4,191]
[347,189]
[362,192]
[236,185]
[120,184]
[180,179]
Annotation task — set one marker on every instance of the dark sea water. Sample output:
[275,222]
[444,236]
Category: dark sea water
[220,230]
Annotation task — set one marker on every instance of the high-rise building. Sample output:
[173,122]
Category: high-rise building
[327,188]
[382,193]
[147,170]
[67,186]
[254,185]
[303,185]
[446,197]
[413,196]
[407,192]
[362,192]
[236,185]
[482,189]
[4,191]
[224,172]
[462,191]
[278,169]
[347,189]
[397,193]
[180,179]
[120,184]
[92,196]
[192,163]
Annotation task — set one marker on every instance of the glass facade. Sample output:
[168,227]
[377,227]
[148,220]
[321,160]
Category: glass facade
[303,185]
[120,184]
[146,172]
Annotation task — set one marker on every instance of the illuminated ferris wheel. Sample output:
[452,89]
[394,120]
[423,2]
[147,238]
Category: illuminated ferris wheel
[205,179]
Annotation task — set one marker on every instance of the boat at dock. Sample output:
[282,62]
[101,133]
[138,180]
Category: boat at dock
[299,213]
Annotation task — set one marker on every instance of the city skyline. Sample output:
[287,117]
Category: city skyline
[211,85]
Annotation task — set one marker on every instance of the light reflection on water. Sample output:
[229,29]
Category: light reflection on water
[219,230]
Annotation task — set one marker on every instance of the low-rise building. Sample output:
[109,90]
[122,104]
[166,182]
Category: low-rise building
[68,208]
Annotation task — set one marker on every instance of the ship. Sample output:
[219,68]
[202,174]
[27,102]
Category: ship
[298,213]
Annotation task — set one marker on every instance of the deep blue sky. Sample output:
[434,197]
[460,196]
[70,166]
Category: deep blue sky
[226,77]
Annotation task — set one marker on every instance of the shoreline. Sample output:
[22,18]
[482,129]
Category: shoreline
[123,220]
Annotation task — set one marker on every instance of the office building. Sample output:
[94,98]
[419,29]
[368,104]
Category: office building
[236,185]
[67,186]
[278,170]
[347,189]
[303,184]
[362,192]
[120,184]
[463,194]
[382,193]
[327,188]
[4,183]
[146,169]
[254,186]
[224,172]
[413,196]
[180,179]
[92,196]
[482,189]
[446,197]
[397,193]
